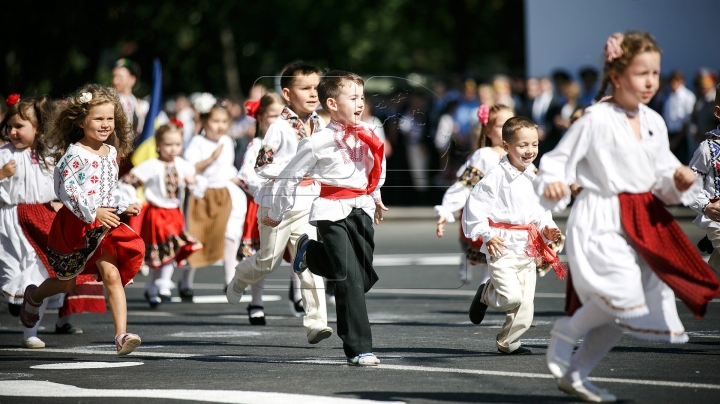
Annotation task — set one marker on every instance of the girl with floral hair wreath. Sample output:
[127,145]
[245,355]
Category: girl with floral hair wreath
[87,138]
[628,257]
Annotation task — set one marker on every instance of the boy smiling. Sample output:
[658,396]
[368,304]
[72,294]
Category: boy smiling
[347,158]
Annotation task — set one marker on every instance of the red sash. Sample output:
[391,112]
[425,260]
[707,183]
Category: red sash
[377,148]
[536,245]
[667,250]
[335,193]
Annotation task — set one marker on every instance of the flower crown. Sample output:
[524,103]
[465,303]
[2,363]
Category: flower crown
[84,98]
[177,123]
[204,102]
[613,47]
[12,99]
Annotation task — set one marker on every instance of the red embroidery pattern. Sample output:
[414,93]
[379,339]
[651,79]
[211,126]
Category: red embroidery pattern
[172,180]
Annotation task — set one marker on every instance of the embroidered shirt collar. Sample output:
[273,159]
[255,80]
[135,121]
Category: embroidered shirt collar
[513,172]
[297,123]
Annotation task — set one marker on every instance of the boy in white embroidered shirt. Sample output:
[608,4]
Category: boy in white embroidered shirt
[348,159]
[504,210]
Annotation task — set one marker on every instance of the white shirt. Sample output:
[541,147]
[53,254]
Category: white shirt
[540,107]
[85,181]
[222,170]
[678,108]
[328,159]
[163,182]
[281,143]
[505,195]
[706,164]
[32,181]
[250,182]
[445,130]
[480,163]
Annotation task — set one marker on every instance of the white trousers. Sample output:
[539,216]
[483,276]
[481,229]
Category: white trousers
[511,289]
[714,236]
[267,259]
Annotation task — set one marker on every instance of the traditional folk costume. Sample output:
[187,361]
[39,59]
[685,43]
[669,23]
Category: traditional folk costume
[216,219]
[163,228]
[351,176]
[504,204]
[26,216]
[278,147]
[628,257]
[481,162]
[85,181]
[706,164]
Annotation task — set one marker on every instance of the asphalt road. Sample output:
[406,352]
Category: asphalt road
[430,352]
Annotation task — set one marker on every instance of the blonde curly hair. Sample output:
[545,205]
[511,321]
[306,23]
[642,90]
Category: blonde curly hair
[65,129]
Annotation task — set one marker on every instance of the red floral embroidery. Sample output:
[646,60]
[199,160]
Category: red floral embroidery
[76,165]
[65,173]
[91,192]
[94,164]
[94,179]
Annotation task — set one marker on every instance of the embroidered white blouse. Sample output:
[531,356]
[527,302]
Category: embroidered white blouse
[505,195]
[250,182]
[279,146]
[222,170]
[706,164]
[32,182]
[164,182]
[479,164]
[328,158]
[85,181]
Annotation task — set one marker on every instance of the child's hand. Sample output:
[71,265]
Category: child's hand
[269,222]
[379,207]
[684,178]
[494,246]
[8,170]
[190,180]
[216,153]
[712,211]
[575,189]
[107,217]
[441,226]
[551,233]
[555,191]
[133,210]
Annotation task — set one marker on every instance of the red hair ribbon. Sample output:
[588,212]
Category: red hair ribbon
[483,114]
[252,108]
[12,99]
[177,123]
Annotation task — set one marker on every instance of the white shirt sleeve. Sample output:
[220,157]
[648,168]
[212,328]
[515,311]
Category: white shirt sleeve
[264,166]
[475,221]
[284,188]
[700,164]
[454,199]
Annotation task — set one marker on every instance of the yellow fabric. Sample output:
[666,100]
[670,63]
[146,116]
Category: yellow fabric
[145,151]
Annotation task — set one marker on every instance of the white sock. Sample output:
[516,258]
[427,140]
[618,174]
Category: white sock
[32,332]
[61,321]
[230,259]
[163,279]
[151,286]
[297,292]
[597,343]
[257,293]
[188,277]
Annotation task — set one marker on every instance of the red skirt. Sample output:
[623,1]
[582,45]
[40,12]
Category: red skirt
[74,246]
[250,241]
[166,240]
[36,221]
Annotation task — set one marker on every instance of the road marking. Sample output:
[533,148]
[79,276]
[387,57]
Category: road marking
[85,365]
[215,334]
[37,388]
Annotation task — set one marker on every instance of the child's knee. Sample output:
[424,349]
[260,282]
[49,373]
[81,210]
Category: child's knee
[67,286]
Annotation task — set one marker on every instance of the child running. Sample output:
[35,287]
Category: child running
[163,230]
[298,120]
[348,159]
[216,218]
[504,211]
[26,215]
[628,256]
[87,235]
[706,164]
[480,163]
[265,111]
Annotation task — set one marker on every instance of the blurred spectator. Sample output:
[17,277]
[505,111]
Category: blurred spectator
[376,124]
[447,128]
[412,127]
[503,91]
[703,119]
[560,77]
[541,104]
[557,119]
[185,113]
[589,80]
[532,91]
[676,112]
[465,114]
[125,75]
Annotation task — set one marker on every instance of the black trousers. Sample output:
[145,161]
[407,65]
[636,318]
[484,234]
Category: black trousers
[345,255]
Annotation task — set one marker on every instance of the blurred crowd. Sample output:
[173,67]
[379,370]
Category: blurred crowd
[431,130]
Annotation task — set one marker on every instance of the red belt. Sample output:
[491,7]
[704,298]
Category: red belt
[536,245]
[303,183]
[335,193]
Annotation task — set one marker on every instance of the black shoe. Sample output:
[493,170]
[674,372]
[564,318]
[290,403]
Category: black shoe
[519,351]
[68,329]
[256,320]
[478,308]
[705,245]
[185,294]
[153,301]
[14,309]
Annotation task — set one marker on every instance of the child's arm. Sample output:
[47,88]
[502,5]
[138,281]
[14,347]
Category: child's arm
[201,165]
[377,197]
[456,196]
[8,170]
[69,179]
[475,220]
[283,190]
[674,183]
[701,163]
[247,178]
[265,164]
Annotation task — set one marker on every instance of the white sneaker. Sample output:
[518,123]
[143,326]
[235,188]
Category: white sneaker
[558,364]
[318,334]
[33,343]
[586,391]
[235,291]
[144,270]
[366,359]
